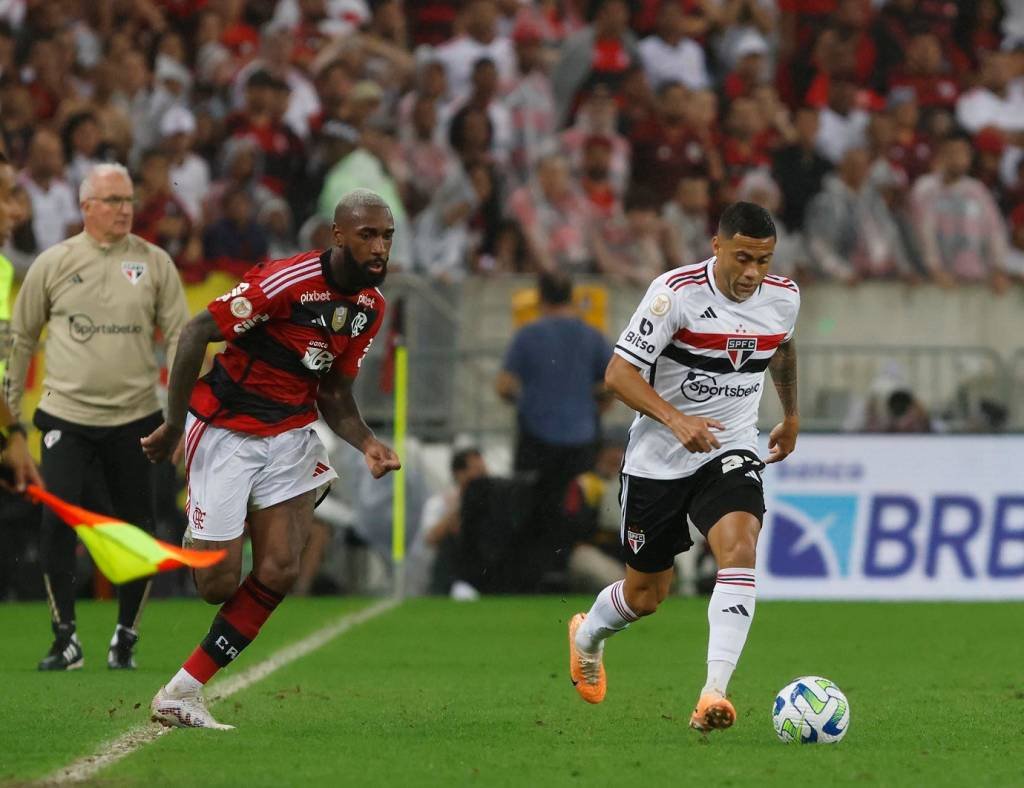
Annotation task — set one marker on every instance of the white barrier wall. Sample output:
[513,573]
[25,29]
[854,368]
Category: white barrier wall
[895,517]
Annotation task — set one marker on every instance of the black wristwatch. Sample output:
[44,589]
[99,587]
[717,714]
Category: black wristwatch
[7,431]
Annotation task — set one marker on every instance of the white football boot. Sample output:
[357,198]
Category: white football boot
[187,710]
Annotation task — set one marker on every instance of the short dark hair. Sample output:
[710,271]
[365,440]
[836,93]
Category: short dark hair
[746,218]
[461,458]
[555,288]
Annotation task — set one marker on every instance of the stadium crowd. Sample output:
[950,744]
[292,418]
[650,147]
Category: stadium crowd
[596,136]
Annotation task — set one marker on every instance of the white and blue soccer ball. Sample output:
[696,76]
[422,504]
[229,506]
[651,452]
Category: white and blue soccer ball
[811,710]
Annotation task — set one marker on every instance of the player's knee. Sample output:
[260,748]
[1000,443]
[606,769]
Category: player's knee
[216,588]
[279,574]
[742,553]
[644,601]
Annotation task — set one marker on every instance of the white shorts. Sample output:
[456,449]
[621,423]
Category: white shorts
[232,473]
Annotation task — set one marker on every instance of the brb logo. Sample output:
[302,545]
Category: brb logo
[892,536]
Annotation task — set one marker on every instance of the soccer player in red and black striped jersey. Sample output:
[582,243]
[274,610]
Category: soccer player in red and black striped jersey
[296,331]
[691,363]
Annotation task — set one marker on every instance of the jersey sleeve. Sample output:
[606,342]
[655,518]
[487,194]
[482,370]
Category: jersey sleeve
[791,329]
[352,357]
[247,305]
[651,328]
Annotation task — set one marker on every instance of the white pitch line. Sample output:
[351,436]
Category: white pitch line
[139,736]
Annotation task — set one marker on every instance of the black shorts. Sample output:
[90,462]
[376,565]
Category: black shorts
[656,512]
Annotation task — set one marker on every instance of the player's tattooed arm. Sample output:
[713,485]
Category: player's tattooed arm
[783,369]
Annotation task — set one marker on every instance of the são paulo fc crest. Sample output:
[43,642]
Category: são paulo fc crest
[133,271]
[338,320]
[739,349]
[635,540]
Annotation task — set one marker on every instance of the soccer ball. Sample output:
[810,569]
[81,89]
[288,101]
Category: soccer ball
[811,710]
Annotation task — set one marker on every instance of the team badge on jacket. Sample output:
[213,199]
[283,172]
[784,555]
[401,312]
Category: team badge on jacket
[133,271]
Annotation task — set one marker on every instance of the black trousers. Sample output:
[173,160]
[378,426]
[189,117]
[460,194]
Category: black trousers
[76,457]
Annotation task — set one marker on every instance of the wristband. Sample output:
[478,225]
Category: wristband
[7,431]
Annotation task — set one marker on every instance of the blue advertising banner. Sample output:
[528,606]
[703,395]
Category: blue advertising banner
[895,517]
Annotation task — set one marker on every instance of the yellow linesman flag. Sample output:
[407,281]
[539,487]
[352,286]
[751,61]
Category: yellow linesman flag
[122,551]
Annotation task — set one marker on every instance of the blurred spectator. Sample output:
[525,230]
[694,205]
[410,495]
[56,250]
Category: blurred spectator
[261,121]
[162,219]
[432,556]
[172,82]
[910,149]
[302,102]
[275,217]
[598,117]
[21,247]
[483,97]
[963,236]
[798,169]
[748,143]
[997,101]
[669,55]
[900,412]
[17,121]
[595,178]
[841,123]
[190,174]
[688,217]
[426,162]
[668,148]
[449,231]
[636,245]
[530,102]
[55,213]
[592,508]
[479,40]
[554,218]
[82,148]
[989,146]
[927,72]
[751,65]
[600,52]
[837,223]
[239,167]
[236,242]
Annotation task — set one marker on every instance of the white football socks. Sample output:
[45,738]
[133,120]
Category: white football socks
[609,614]
[730,614]
[184,683]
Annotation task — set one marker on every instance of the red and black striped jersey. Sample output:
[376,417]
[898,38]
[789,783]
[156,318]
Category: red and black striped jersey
[705,355]
[286,325]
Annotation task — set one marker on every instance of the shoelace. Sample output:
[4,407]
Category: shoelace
[591,667]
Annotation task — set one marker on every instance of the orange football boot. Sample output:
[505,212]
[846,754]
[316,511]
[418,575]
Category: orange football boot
[586,671]
[713,712]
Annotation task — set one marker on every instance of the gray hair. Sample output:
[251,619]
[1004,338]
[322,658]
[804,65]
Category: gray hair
[88,187]
[358,200]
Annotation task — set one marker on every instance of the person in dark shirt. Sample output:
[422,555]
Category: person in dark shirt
[799,168]
[553,372]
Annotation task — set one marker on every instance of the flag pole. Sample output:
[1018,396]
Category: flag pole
[398,480]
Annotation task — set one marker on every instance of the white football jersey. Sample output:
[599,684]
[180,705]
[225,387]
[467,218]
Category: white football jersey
[705,355]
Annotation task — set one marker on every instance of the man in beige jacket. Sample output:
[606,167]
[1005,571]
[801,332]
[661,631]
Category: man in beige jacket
[101,295]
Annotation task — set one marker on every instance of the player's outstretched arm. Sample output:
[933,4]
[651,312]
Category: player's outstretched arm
[625,382]
[782,439]
[200,331]
[339,409]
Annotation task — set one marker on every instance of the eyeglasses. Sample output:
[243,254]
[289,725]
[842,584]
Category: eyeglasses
[115,201]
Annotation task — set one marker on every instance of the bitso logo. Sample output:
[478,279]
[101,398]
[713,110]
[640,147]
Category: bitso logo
[812,535]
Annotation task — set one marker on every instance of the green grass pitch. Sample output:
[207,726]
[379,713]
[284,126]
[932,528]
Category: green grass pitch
[441,693]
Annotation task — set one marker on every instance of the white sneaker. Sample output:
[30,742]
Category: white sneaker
[462,591]
[187,710]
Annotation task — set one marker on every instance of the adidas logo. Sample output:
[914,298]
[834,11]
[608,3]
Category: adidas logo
[738,609]
[320,468]
[77,279]
[709,312]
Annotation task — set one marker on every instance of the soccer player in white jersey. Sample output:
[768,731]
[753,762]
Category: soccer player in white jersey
[691,362]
